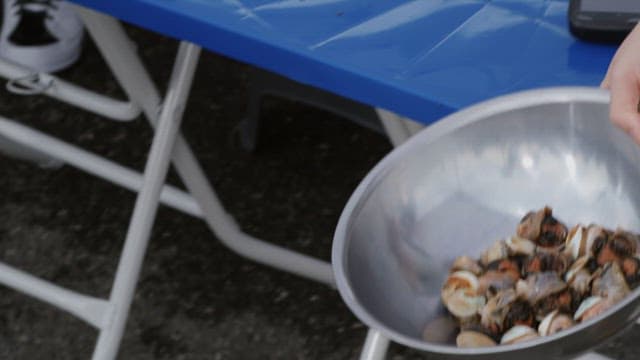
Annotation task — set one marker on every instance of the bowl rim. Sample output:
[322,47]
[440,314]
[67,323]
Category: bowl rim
[461,118]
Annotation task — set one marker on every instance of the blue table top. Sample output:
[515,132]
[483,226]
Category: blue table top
[422,59]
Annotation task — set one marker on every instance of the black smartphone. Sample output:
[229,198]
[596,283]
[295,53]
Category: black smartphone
[603,20]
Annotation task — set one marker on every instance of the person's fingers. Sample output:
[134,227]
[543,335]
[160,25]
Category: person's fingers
[606,81]
[625,95]
[635,134]
[634,131]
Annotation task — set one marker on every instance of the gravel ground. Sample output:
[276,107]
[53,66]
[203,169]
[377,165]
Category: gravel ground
[196,299]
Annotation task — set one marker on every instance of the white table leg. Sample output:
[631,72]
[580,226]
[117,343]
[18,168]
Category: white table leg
[120,55]
[399,129]
[375,346]
[147,201]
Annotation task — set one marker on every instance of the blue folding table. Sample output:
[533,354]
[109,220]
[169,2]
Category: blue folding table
[417,60]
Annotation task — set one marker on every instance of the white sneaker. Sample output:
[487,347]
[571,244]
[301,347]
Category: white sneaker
[45,35]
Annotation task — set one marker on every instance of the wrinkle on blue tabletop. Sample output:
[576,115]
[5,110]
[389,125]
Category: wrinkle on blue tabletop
[422,59]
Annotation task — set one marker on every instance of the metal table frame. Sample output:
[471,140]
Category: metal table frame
[109,316]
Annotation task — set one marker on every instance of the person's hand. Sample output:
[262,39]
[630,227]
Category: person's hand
[623,80]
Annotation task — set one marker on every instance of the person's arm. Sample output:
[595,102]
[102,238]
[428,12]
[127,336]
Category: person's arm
[623,80]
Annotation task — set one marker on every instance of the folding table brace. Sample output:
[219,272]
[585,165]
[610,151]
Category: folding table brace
[109,316]
[119,53]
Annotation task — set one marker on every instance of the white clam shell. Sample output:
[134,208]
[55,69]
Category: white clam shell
[576,241]
[554,322]
[459,294]
[462,305]
[466,263]
[464,276]
[470,339]
[585,305]
[520,246]
[518,333]
[593,231]
[581,282]
[545,324]
[577,265]
[497,251]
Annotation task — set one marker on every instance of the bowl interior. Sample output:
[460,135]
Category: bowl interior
[454,194]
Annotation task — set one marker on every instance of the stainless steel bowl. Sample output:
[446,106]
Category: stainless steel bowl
[466,181]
